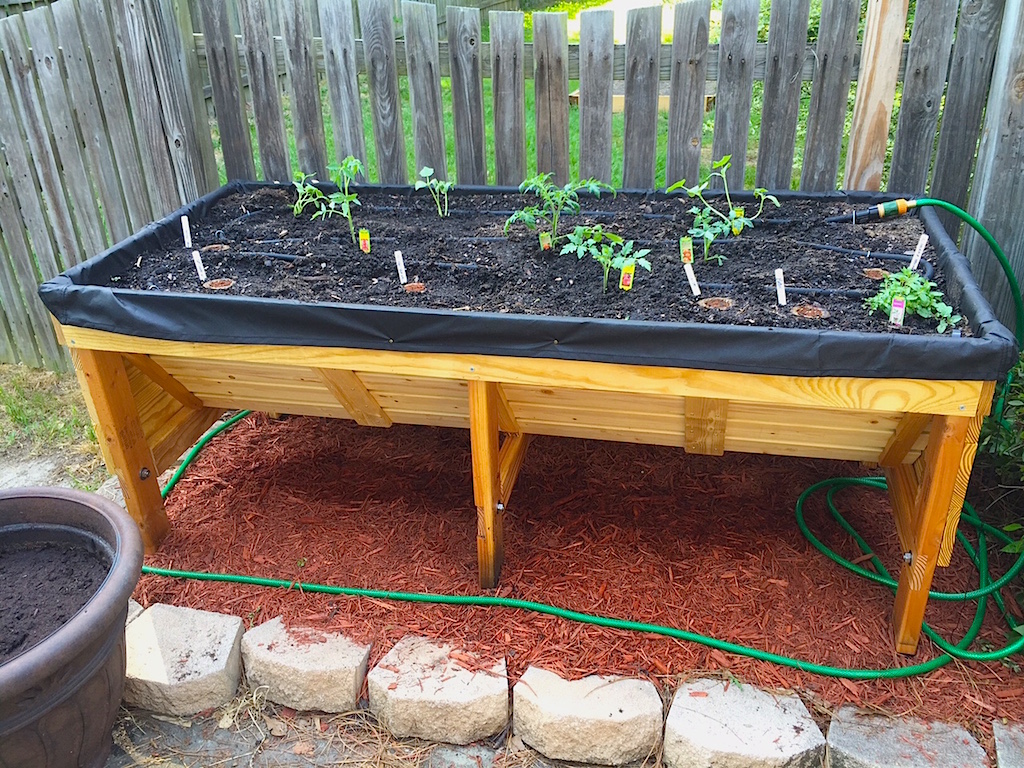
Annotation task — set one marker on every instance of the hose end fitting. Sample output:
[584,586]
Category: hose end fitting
[908,558]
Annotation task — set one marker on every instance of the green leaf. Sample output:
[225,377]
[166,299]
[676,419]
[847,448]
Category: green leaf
[426,171]
[722,162]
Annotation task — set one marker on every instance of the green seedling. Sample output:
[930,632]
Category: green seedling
[438,189]
[922,297]
[618,255]
[587,241]
[709,223]
[335,203]
[308,193]
[554,201]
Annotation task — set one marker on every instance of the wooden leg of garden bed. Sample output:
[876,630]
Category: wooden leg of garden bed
[122,440]
[483,431]
[946,463]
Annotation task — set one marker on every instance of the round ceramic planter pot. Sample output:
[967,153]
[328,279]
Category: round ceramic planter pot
[60,697]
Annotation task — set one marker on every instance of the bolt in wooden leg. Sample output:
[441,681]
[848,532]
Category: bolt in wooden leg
[122,440]
[483,431]
[942,465]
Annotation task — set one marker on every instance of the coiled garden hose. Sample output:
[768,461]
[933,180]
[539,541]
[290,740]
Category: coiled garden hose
[978,555]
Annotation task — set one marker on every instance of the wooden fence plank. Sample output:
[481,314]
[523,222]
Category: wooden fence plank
[94,19]
[424,69]
[177,16]
[787,41]
[998,193]
[977,33]
[31,116]
[876,89]
[923,86]
[833,72]
[304,87]
[463,26]
[640,130]
[133,50]
[77,185]
[735,87]
[260,60]
[226,85]
[342,83]
[688,86]
[597,49]
[90,119]
[509,95]
[551,94]
[375,17]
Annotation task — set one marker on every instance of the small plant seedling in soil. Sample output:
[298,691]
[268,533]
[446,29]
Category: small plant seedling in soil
[335,203]
[616,255]
[709,223]
[587,241]
[554,201]
[922,296]
[438,189]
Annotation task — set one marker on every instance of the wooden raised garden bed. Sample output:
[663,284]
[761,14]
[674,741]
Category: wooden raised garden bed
[159,368]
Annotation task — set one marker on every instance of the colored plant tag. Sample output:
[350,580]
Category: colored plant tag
[780,286]
[200,269]
[918,252]
[737,226]
[364,240]
[688,269]
[899,308]
[186,232]
[545,241]
[400,265]
[686,250]
[626,277]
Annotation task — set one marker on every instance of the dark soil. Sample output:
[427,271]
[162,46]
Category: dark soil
[42,586]
[467,262]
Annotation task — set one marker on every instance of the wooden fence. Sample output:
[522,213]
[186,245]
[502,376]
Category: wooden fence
[105,124]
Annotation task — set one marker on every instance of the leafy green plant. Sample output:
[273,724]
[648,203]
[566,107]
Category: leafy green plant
[617,255]
[923,298]
[438,189]
[588,240]
[709,223]
[335,203]
[554,201]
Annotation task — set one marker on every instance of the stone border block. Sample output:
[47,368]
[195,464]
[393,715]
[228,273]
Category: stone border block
[1009,744]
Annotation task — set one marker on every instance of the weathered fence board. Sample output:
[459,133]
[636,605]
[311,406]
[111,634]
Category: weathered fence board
[467,95]
[304,88]
[973,53]
[342,84]
[787,40]
[640,128]
[597,49]
[687,90]
[923,86]
[735,86]
[422,63]
[382,79]
[826,116]
[551,94]
[876,90]
[258,47]
[508,92]
[176,15]
[226,85]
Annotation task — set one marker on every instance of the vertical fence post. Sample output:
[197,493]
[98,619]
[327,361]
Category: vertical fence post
[551,94]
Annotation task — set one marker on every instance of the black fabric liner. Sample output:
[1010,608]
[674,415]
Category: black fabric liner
[82,297]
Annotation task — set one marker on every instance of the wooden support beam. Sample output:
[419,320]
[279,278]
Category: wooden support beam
[902,440]
[483,432]
[164,380]
[350,391]
[507,421]
[704,425]
[942,465]
[510,461]
[128,455]
[902,482]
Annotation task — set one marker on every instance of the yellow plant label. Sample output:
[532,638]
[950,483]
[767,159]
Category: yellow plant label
[545,241]
[364,240]
[626,277]
[686,249]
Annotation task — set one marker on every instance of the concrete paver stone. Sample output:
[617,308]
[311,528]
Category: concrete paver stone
[1009,744]
[603,720]
[304,668]
[134,611]
[419,690]
[872,741]
[181,660]
[733,726]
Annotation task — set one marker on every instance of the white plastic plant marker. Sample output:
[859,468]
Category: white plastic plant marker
[186,231]
[780,286]
[898,311]
[918,252]
[200,269]
[400,265]
[688,269]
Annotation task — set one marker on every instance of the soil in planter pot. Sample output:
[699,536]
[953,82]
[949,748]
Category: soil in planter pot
[42,586]
[253,245]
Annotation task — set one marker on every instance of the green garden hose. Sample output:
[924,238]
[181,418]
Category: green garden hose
[978,555]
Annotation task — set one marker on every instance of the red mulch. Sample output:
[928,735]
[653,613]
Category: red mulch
[707,544]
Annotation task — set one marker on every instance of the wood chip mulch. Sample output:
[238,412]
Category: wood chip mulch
[707,544]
